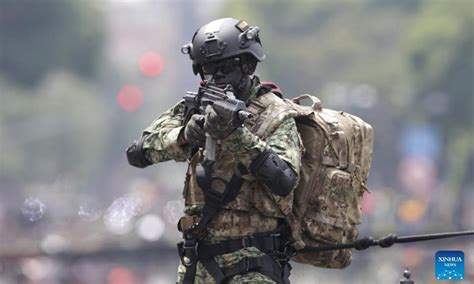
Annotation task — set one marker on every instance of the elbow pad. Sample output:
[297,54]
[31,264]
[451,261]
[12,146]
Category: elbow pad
[271,170]
[136,155]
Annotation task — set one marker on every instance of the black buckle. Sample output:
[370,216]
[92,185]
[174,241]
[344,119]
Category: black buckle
[247,241]
[188,252]
[250,264]
[247,264]
[195,232]
[289,250]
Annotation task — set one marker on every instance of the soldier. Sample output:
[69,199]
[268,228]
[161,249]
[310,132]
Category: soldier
[233,228]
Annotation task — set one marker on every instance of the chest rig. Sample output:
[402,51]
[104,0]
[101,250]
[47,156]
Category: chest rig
[224,203]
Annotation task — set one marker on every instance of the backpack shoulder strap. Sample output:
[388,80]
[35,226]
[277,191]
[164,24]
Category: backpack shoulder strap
[270,111]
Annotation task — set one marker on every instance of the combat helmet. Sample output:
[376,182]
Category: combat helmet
[223,38]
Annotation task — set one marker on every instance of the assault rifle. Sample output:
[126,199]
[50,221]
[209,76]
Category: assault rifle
[224,102]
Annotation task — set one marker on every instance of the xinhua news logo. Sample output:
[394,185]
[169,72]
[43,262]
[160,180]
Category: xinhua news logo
[449,265]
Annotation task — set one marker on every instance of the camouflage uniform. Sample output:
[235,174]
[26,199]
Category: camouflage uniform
[255,209]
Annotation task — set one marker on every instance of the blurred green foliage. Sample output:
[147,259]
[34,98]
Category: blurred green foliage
[441,32]
[317,42]
[37,37]
[439,50]
[59,131]
[52,120]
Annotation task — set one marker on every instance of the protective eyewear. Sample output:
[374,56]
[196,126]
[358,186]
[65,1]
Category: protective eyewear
[225,66]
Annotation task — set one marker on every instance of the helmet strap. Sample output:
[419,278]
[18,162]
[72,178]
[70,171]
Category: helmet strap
[247,68]
[243,89]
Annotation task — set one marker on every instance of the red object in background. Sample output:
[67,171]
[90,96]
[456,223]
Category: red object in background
[130,98]
[368,204]
[121,275]
[151,64]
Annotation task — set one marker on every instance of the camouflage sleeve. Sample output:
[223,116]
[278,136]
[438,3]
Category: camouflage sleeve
[160,139]
[285,141]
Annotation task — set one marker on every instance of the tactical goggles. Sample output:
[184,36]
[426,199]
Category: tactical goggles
[225,66]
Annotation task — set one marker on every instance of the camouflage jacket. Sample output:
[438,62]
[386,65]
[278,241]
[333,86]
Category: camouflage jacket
[255,209]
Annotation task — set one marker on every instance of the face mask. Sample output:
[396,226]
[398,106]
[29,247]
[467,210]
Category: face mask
[223,73]
[229,72]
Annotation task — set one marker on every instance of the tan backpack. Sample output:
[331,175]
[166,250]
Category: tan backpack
[335,165]
[333,176]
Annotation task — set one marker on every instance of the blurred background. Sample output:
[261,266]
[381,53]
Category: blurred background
[79,80]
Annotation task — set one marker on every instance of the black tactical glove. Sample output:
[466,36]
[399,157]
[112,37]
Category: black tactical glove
[217,126]
[136,156]
[194,132]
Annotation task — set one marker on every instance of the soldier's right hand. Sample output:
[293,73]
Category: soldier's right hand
[194,132]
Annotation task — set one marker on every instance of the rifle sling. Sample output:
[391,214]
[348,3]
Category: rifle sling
[213,201]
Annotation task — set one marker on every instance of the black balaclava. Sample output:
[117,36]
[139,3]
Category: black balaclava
[234,71]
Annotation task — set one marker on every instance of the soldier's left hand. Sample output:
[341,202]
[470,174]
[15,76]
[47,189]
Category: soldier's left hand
[217,126]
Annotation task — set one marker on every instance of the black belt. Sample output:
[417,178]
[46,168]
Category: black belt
[266,244]
[273,264]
